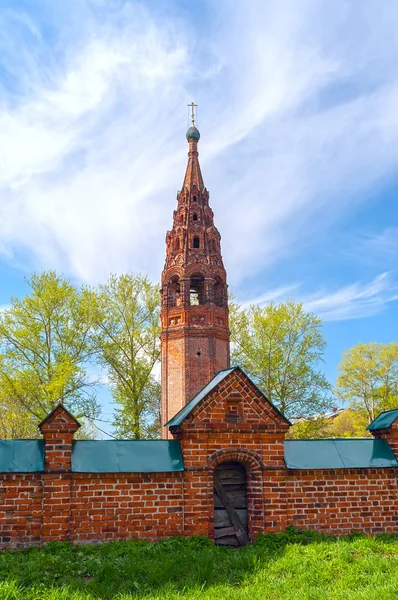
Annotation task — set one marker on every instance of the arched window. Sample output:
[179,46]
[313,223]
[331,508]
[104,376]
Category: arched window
[177,244]
[196,242]
[194,199]
[194,217]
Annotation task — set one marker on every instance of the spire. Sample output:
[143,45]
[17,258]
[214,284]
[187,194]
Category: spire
[193,238]
[193,176]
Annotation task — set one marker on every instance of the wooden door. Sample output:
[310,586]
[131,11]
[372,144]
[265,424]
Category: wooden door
[230,504]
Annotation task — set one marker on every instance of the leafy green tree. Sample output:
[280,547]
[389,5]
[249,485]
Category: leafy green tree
[45,349]
[349,423]
[281,347]
[127,339]
[148,420]
[368,378]
[308,429]
[15,421]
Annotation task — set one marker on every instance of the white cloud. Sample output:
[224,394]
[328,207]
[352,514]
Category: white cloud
[386,243]
[354,301]
[76,176]
[381,248]
[297,113]
[275,295]
[374,250]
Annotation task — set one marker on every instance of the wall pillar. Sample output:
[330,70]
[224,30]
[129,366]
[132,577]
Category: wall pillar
[390,434]
[58,430]
[385,426]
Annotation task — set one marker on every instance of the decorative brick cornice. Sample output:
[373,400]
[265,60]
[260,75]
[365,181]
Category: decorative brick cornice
[245,428]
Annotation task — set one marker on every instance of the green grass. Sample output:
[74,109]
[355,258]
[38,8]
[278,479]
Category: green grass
[291,565]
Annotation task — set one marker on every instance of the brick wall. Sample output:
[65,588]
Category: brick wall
[21,516]
[107,506]
[152,506]
[62,505]
[340,501]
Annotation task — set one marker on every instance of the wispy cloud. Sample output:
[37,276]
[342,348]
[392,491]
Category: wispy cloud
[386,243]
[354,301]
[76,177]
[298,120]
[379,249]
[274,295]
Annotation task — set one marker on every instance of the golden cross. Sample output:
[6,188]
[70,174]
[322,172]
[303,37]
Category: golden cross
[192,105]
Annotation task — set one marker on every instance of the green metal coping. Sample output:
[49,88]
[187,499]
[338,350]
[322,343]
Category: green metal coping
[221,375]
[162,456]
[21,456]
[383,420]
[126,456]
[339,454]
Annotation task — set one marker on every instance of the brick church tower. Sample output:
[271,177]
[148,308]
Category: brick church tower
[194,315]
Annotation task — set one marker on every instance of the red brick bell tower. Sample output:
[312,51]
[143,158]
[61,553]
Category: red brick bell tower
[195,334]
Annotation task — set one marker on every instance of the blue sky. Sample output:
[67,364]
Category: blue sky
[299,137]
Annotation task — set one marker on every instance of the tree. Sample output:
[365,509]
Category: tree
[345,423]
[15,421]
[349,423]
[148,423]
[308,429]
[281,347]
[45,347]
[368,378]
[127,339]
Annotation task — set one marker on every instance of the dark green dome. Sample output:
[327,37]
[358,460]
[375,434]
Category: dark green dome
[193,134]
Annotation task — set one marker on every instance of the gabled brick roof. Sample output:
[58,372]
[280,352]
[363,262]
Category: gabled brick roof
[217,379]
[59,414]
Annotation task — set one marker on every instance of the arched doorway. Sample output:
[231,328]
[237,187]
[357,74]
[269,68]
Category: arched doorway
[230,504]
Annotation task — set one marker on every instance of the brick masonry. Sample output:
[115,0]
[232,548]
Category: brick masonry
[59,504]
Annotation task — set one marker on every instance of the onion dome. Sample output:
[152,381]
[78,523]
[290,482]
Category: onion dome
[193,134]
